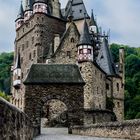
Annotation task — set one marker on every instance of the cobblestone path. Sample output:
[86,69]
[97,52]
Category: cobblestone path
[62,134]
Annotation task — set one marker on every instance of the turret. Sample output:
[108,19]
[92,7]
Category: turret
[85,47]
[28,10]
[17,73]
[20,18]
[93,24]
[40,6]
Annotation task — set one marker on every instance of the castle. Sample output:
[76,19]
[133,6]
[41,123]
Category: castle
[63,63]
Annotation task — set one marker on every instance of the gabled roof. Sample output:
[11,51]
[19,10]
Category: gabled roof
[21,12]
[54,74]
[78,9]
[85,38]
[17,64]
[105,60]
[72,26]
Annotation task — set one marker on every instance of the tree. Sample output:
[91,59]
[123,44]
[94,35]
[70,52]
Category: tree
[3,95]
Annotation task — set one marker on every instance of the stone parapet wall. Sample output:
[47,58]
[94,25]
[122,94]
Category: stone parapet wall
[14,124]
[125,130]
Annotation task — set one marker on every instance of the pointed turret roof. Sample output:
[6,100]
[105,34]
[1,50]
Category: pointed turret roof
[92,21]
[21,12]
[78,9]
[18,64]
[85,35]
[28,5]
[105,60]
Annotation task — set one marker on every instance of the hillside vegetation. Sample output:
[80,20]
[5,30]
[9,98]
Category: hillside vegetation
[6,60]
[132,85]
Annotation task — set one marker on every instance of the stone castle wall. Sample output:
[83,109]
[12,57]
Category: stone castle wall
[71,95]
[125,130]
[14,124]
[94,90]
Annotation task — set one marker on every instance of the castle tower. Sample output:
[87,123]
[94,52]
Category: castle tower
[20,18]
[85,59]
[85,48]
[28,10]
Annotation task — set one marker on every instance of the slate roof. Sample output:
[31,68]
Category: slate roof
[54,74]
[85,36]
[105,60]
[78,8]
[18,64]
[21,12]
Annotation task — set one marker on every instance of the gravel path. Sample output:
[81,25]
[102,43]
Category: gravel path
[62,134]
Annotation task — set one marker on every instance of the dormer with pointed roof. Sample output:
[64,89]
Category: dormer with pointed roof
[17,73]
[92,24]
[20,17]
[40,6]
[85,47]
[28,10]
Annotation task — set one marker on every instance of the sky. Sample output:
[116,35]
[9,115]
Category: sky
[121,17]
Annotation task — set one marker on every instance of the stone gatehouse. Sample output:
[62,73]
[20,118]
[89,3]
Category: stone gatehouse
[48,82]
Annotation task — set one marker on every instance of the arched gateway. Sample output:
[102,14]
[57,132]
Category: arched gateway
[61,82]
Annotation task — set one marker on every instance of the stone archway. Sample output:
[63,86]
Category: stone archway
[54,114]
[70,95]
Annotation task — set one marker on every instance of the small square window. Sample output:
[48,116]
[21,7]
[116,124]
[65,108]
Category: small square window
[68,54]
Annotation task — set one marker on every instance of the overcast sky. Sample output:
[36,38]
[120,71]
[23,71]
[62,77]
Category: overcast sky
[122,17]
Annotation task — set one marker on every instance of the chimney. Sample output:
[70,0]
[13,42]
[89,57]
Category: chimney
[122,64]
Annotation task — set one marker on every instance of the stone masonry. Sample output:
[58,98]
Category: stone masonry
[125,130]
[14,124]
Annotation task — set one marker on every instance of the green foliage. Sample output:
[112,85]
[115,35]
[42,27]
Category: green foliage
[132,83]
[3,95]
[6,60]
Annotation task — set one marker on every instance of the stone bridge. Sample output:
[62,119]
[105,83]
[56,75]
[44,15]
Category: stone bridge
[16,125]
